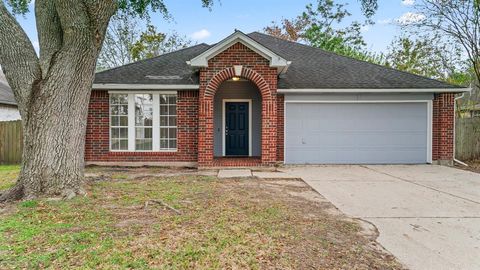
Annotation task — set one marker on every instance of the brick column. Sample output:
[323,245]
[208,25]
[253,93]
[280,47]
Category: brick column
[443,128]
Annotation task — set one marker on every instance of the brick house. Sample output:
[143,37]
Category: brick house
[254,100]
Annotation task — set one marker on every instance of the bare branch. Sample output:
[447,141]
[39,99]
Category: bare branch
[17,57]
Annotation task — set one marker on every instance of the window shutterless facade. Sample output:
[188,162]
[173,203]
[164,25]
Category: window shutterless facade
[143,121]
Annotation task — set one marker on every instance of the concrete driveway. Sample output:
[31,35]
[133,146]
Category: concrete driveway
[427,216]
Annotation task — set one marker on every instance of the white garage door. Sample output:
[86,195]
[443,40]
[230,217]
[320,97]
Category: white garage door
[356,133]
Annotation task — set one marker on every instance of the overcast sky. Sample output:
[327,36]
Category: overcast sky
[202,25]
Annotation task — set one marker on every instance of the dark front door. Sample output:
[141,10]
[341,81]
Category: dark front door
[236,128]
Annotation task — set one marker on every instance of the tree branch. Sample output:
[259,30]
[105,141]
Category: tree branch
[50,35]
[17,57]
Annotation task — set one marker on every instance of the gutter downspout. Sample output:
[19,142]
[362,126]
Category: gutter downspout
[454,132]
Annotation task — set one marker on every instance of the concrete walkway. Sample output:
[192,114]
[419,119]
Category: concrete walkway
[427,216]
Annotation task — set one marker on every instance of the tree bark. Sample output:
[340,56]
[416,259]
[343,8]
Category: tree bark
[53,92]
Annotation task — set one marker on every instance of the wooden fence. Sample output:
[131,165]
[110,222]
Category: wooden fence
[11,142]
[467,138]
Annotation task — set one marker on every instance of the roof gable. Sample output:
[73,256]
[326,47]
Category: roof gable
[202,59]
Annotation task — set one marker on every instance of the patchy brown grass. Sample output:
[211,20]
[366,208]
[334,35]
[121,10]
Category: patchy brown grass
[224,224]
[8,176]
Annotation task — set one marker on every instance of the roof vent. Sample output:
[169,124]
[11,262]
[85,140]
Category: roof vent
[161,77]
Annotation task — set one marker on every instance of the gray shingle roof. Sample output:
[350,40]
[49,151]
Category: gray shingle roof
[6,94]
[162,69]
[311,68]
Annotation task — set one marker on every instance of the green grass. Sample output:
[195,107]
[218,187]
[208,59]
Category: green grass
[224,224]
[8,176]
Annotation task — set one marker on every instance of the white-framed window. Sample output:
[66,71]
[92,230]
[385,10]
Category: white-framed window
[119,122]
[168,122]
[143,121]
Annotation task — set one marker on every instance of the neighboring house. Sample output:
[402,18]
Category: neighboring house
[254,100]
[8,105]
[470,112]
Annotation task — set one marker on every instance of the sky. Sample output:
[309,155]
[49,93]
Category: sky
[211,26]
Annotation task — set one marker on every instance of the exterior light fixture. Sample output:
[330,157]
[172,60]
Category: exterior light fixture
[236,79]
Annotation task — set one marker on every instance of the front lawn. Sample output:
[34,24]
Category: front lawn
[233,224]
[8,176]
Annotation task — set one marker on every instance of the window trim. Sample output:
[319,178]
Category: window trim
[131,122]
[110,125]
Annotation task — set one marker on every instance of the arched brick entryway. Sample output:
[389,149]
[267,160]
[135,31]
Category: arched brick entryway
[269,114]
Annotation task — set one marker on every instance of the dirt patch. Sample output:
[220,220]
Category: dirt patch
[223,224]
[473,166]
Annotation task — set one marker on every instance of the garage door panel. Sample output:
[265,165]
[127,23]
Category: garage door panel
[361,140]
[356,133]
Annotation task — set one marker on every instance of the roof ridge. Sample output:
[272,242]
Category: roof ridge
[357,60]
[152,58]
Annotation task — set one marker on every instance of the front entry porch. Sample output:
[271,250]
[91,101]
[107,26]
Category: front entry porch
[237,121]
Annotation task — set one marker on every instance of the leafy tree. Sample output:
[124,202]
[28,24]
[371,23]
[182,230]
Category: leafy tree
[53,89]
[427,56]
[122,33]
[321,27]
[152,43]
[457,21]
[125,42]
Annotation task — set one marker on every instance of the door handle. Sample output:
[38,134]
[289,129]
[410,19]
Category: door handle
[226,130]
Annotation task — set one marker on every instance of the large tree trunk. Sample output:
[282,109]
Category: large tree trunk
[54,130]
[53,91]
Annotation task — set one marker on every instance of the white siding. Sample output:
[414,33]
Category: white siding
[9,113]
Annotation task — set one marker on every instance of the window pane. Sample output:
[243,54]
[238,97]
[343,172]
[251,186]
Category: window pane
[148,133]
[173,144]
[115,133]
[172,99]
[139,133]
[123,99]
[172,121]
[123,121]
[163,121]
[114,110]
[123,110]
[114,121]
[119,99]
[164,144]
[143,144]
[163,99]
[113,99]
[163,110]
[172,110]
[124,133]
[123,144]
[115,144]
[172,133]
[164,133]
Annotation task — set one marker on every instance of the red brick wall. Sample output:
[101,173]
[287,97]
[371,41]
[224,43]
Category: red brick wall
[280,127]
[443,127]
[256,69]
[97,136]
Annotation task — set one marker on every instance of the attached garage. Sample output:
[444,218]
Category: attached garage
[377,131]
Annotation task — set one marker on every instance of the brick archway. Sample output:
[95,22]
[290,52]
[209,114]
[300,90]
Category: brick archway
[229,73]
[269,114]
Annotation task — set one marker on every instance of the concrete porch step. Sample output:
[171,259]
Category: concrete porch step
[234,173]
